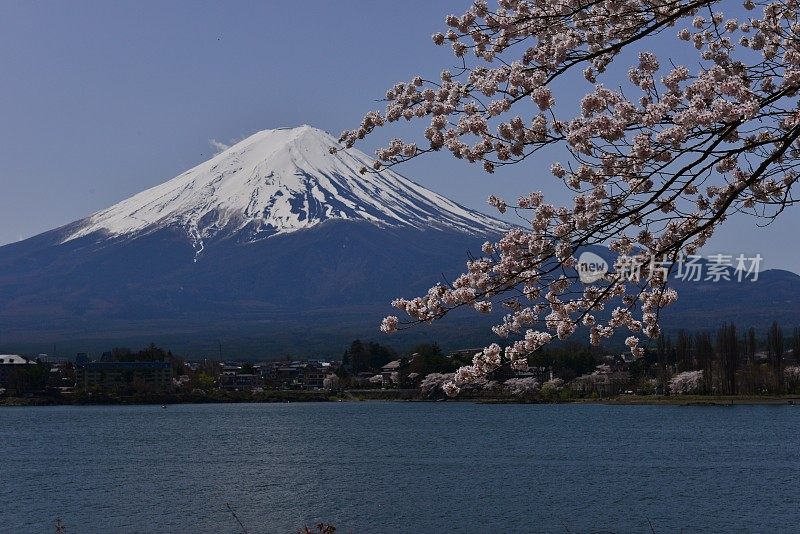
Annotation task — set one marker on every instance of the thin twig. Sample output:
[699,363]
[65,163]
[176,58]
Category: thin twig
[236,517]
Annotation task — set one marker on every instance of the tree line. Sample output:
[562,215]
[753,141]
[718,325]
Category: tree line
[733,361]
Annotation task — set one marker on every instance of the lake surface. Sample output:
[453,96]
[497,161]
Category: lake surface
[400,467]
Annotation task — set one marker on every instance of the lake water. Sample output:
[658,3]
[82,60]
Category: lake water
[400,467]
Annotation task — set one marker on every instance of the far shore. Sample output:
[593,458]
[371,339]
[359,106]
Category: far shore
[389,396]
[696,400]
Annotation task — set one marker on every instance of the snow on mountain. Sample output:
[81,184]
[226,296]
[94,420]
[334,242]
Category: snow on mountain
[280,181]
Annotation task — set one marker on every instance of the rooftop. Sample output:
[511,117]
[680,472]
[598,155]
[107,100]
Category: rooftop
[116,366]
[14,359]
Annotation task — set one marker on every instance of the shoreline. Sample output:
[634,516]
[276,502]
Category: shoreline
[699,400]
[393,396]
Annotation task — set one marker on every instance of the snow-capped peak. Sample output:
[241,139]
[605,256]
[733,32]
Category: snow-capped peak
[279,181]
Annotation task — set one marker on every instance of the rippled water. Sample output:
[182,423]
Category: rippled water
[401,467]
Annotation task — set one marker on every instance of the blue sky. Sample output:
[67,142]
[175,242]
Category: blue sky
[100,100]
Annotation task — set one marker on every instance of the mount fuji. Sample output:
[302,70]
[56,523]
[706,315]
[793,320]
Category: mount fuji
[278,182]
[276,243]
[277,247]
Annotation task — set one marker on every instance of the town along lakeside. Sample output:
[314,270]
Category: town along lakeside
[371,371]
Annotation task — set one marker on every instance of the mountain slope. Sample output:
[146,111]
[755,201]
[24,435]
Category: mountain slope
[308,292]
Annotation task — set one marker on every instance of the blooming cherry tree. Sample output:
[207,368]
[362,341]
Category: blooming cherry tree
[377,379]
[686,383]
[655,166]
[331,382]
[435,382]
[521,387]
[791,375]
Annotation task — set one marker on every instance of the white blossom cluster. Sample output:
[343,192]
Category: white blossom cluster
[686,383]
[792,375]
[655,167]
[553,383]
[434,382]
[521,387]
[437,382]
[331,382]
[602,369]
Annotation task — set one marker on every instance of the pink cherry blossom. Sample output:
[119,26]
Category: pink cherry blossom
[655,166]
[686,383]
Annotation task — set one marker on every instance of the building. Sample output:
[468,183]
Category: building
[390,369]
[308,374]
[114,374]
[285,376]
[10,366]
[603,384]
[312,375]
[232,378]
[61,376]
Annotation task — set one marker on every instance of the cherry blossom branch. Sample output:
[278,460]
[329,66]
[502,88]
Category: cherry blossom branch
[654,176]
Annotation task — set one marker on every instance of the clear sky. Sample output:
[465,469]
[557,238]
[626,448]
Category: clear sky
[100,100]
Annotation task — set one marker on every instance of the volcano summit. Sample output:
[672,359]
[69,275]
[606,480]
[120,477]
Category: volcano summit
[275,234]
